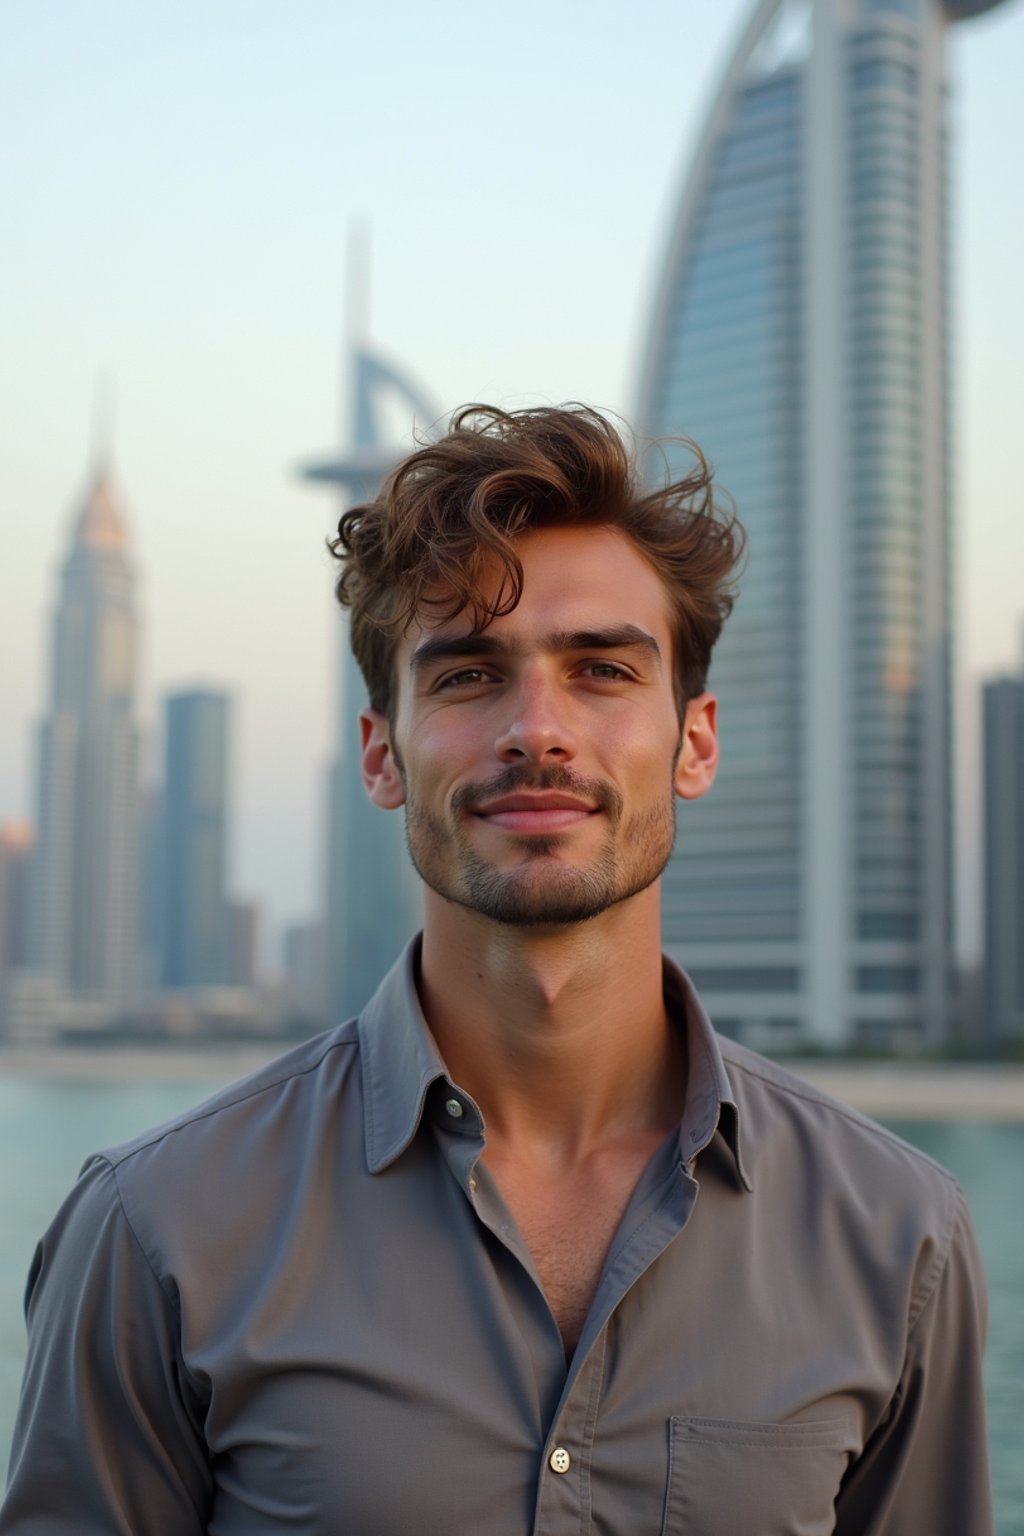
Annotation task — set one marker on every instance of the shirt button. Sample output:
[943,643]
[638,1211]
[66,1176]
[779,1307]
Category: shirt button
[559,1460]
[454,1108]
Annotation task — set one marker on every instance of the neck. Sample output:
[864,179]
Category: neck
[561,1036]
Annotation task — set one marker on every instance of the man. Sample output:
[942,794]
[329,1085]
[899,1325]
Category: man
[525,1247]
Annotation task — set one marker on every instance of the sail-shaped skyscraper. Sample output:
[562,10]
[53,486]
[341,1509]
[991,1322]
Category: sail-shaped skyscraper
[800,334]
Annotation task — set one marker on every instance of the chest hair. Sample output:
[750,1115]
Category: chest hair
[568,1222]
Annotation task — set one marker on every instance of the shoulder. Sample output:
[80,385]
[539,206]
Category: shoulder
[237,1160]
[282,1090]
[782,1112]
[206,1201]
[867,1186]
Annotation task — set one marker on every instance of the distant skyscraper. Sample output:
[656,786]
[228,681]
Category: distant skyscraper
[84,898]
[373,901]
[194,913]
[15,857]
[151,875]
[800,335]
[1003,991]
[15,866]
[303,945]
[244,923]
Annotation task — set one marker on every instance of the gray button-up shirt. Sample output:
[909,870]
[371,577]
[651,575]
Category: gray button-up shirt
[305,1307]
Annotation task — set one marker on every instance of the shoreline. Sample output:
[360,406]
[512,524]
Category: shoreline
[907,1090]
[129,1063]
[897,1090]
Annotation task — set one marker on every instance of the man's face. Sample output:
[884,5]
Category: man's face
[538,761]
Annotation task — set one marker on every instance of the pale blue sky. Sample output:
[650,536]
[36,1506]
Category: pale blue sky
[177,183]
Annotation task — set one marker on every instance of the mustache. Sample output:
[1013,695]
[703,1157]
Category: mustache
[605,797]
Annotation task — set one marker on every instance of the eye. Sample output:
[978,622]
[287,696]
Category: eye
[465,677]
[605,671]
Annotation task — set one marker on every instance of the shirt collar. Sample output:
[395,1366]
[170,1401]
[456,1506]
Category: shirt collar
[400,1061]
[710,1105]
[401,1064]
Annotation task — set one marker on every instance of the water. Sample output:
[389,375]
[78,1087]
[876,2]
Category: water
[989,1162]
[48,1126]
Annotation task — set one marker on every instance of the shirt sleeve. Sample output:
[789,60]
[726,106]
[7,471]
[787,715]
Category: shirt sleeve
[108,1435]
[926,1466]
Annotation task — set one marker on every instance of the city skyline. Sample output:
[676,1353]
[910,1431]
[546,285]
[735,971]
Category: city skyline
[224,342]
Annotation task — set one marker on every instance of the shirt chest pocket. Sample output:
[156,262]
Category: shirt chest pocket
[730,1478]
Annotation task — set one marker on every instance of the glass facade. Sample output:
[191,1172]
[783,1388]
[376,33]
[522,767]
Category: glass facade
[194,948]
[1003,980]
[887,498]
[800,336]
[730,380]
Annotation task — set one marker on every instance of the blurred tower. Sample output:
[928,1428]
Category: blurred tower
[373,900]
[800,335]
[303,967]
[15,863]
[1003,992]
[244,924]
[194,911]
[84,887]
[151,875]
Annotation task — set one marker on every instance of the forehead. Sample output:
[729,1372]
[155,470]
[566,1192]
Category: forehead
[573,578]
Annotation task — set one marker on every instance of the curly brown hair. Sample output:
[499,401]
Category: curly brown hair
[459,502]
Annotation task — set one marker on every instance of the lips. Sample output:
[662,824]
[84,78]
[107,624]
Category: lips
[546,811]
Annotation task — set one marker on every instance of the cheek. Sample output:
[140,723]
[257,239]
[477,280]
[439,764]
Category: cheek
[644,743]
[432,759]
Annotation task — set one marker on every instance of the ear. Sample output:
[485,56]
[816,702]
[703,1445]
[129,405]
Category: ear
[381,778]
[698,754]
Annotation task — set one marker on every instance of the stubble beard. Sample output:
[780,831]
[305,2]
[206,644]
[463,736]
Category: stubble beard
[541,890]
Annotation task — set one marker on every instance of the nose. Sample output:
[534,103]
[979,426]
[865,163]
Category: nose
[536,728]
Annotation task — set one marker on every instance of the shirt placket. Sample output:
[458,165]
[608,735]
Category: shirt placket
[660,1208]
[563,1471]
[563,1483]
[653,1221]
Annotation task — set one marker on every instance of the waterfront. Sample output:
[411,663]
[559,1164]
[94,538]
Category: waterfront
[53,1112]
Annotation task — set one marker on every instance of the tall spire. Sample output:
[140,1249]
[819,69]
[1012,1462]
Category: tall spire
[85,893]
[357,297]
[101,523]
[101,442]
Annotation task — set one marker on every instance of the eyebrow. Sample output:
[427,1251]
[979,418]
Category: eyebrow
[478,643]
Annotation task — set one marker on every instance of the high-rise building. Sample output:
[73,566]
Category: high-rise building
[800,335]
[84,885]
[373,901]
[302,953]
[1003,989]
[15,859]
[245,920]
[194,913]
[151,876]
